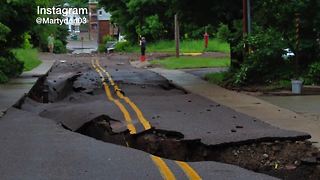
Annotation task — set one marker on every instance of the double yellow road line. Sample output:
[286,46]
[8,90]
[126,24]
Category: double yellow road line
[165,171]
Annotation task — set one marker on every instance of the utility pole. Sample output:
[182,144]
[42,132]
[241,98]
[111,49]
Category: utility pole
[177,35]
[244,18]
[298,22]
[249,16]
[246,5]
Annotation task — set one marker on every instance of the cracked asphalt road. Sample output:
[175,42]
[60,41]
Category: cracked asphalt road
[84,88]
[164,106]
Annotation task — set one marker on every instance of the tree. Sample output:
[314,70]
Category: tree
[152,19]
[40,32]
[19,16]
[275,28]
[16,18]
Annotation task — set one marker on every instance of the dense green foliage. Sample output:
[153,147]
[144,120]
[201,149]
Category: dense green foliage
[28,56]
[40,32]
[313,75]
[18,29]
[10,66]
[16,19]
[125,47]
[154,19]
[186,46]
[274,29]
[264,58]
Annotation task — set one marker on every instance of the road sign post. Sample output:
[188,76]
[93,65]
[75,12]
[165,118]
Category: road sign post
[177,35]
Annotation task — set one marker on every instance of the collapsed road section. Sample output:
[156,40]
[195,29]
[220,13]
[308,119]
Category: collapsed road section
[113,102]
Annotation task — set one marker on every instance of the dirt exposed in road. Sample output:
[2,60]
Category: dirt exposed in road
[74,86]
[283,159]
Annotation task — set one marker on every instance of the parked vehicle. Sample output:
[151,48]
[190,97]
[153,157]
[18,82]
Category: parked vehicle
[287,54]
[110,46]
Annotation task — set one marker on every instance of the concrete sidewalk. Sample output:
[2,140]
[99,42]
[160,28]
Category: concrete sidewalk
[242,103]
[11,92]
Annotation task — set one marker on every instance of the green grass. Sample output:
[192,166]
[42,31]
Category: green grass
[29,57]
[215,78]
[186,62]
[186,46]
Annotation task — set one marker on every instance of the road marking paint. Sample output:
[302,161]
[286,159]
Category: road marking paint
[142,119]
[122,108]
[159,162]
[188,170]
[165,171]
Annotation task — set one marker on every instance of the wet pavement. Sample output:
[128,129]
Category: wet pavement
[201,72]
[252,106]
[82,47]
[39,148]
[164,106]
[307,106]
[16,88]
[300,104]
[44,137]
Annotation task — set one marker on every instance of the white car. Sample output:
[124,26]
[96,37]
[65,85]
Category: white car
[287,54]
[122,38]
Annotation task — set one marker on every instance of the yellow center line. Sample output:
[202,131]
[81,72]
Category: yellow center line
[165,171]
[142,119]
[188,170]
[162,166]
[124,111]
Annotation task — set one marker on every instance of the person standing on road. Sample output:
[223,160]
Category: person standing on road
[143,44]
[51,43]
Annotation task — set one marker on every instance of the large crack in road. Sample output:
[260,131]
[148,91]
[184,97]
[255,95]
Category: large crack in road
[184,126]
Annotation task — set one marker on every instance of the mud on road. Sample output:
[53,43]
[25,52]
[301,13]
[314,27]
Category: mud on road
[73,94]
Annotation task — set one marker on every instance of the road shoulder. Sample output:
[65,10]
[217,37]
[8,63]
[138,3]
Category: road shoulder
[242,103]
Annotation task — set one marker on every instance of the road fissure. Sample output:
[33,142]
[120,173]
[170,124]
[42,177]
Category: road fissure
[159,162]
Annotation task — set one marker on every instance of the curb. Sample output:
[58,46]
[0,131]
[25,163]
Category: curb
[20,100]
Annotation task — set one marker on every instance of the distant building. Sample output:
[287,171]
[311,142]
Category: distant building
[73,26]
[105,27]
[93,20]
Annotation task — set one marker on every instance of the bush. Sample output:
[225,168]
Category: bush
[107,38]
[314,73]
[40,34]
[101,48]
[192,31]
[223,33]
[28,56]
[59,47]
[26,41]
[3,78]
[152,29]
[264,63]
[4,30]
[123,47]
[10,66]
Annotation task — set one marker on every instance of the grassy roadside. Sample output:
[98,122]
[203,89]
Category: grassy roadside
[29,57]
[220,79]
[186,62]
[215,78]
[186,46]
